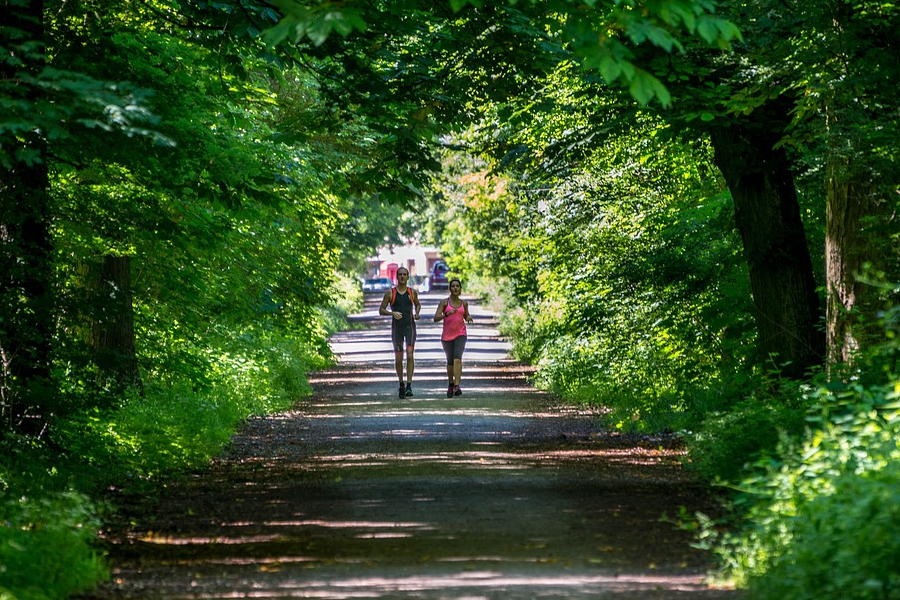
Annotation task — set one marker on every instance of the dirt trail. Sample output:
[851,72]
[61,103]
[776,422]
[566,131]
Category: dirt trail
[499,493]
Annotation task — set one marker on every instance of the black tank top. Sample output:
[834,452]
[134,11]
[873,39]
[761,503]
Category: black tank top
[403,304]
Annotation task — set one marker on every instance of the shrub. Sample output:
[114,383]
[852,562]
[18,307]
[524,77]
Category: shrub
[526,333]
[347,298]
[819,512]
[844,545]
[646,380]
[170,426]
[728,440]
[45,547]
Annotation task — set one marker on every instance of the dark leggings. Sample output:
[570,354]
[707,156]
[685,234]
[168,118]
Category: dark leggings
[454,348]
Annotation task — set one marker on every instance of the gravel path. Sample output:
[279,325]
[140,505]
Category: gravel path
[498,494]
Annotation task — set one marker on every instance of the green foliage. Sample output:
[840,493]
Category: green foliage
[346,297]
[59,102]
[603,36]
[46,546]
[317,22]
[622,264]
[231,192]
[172,427]
[843,545]
[818,516]
[742,423]
[610,42]
[169,428]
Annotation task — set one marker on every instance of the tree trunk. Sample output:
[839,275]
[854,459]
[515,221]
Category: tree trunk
[767,214]
[853,242]
[112,330]
[860,183]
[26,302]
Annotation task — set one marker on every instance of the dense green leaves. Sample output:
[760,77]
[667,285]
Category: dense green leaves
[198,197]
[603,231]
[315,22]
[619,253]
[195,174]
[818,512]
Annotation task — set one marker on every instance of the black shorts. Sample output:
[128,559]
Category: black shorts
[454,348]
[403,334]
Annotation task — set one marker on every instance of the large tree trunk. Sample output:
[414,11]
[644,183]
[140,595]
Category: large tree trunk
[788,313]
[26,301]
[112,329]
[860,181]
[26,326]
[853,242]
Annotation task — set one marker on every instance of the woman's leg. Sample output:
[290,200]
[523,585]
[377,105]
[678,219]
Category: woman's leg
[459,345]
[448,352]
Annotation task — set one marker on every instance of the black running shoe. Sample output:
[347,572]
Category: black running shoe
[402,391]
[457,391]
[450,391]
[408,393]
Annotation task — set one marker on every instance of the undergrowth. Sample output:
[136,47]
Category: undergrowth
[647,382]
[819,516]
[51,488]
[812,466]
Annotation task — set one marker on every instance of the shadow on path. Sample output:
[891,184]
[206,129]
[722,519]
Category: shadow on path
[497,494]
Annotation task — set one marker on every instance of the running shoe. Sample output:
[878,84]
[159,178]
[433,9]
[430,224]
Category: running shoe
[408,392]
[457,391]
[450,391]
[402,391]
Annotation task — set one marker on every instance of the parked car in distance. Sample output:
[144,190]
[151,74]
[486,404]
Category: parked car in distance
[377,284]
[422,283]
[438,277]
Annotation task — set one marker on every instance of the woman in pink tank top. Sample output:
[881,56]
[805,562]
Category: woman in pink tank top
[454,313]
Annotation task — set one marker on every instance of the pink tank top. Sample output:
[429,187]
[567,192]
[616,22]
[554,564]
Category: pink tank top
[455,324]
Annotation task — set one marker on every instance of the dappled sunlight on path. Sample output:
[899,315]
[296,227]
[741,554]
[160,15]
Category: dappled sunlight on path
[500,493]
